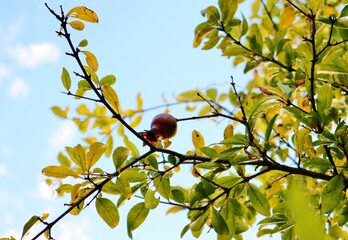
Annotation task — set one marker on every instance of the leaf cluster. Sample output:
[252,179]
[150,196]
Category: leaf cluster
[283,153]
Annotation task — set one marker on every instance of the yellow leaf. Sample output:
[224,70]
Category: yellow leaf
[83,110]
[96,150]
[91,60]
[120,130]
[77,25]
[200,35]
[228,132]
[287,17]
[59,172]
[197,139]
[79,152]
[111,97]
[136,121]
[139,102]
[59,112]
[83,13]
[190,108]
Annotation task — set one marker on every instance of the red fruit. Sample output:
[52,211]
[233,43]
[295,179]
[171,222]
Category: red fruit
[164,126]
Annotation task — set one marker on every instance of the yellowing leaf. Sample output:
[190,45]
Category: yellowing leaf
[287,17]
[120,155]
[107,211]
[79,152]
[91,60]
[96,150]
[59,112]
[29,224]
[111,97]
[136,216]
[139,102]
[197,139]
[83,43]
[66,80]
[136,121]
[151,202]
[228,132]
[59,172]
[83,13]
[123,186]
[77,25]
[108,79]
[332,193]
[200,35]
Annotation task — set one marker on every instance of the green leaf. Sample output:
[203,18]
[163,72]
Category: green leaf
[212,14]
[213,39]
[200,35]
[270,127]
[219,223]
[198,222]
[109,80]
[136,216]
[133,175]
[96,150]
[190,96]
[107,211]
[344,12]
[227,181]
[83,43]
[66,80]
[332,193]
[124,188]
[237,139]
[162,185]
[228,8]
[120,155]
[227,213]
[172,159]
[209,152]
[178,195]
[255,39]
[259,201]
[325,95]
[151,202]
[131,146]
[59,172]
[29,224]
[245,26]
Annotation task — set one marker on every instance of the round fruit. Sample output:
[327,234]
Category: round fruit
[163,126]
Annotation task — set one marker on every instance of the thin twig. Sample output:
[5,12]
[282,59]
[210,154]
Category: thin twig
[270,16]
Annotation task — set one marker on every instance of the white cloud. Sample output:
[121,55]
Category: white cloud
[34,54]
[4,71]
[45,191]
[18,88]
[5,150]
[3,170]
[63,135]
[71,232]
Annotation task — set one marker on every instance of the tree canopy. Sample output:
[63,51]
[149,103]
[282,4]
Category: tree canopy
[283,152]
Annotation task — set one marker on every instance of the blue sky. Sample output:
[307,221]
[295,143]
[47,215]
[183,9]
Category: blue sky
[147,45]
